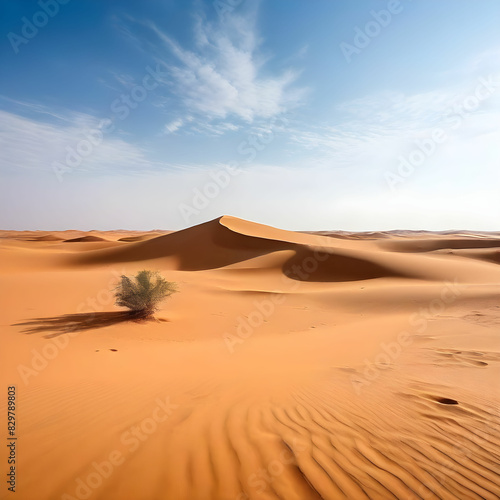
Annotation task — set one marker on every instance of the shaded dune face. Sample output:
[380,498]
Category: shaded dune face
[47,237]
[84,239]
[323,266]
[486,255]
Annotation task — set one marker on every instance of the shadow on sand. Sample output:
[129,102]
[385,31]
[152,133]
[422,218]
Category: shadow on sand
[69,323]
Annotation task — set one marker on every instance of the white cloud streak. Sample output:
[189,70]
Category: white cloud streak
[223,76]
[31,145]
[371,132]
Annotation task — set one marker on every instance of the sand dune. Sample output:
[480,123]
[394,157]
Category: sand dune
[398,233]
[289,366]
[227,241]
[429,245]
[47,237]
[141,237]
[486,254]
[206,246]
[85,239]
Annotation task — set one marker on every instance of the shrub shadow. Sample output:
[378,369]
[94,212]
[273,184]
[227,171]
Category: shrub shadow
[69,323]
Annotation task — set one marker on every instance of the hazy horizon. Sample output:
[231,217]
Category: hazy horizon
[304,230]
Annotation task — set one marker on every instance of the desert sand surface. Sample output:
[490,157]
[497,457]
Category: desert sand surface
[290,365]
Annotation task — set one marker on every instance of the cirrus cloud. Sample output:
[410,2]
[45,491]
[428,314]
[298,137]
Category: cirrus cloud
[223,75]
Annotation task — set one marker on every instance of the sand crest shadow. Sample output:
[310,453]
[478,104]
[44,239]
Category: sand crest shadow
[69,323]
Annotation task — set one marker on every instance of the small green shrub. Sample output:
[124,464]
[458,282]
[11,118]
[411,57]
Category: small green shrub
[143,293]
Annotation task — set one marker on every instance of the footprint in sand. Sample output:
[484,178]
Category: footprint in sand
[465,358]
[486,317]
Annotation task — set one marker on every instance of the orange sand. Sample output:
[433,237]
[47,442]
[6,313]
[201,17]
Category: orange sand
[289,366]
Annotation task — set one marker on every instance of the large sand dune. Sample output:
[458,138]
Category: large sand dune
[289,365]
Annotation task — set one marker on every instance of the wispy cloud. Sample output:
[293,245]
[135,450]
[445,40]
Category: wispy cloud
[214,129]
[173,126]
[370,132]
[34,145]
[487,61]
[31,108]
[223,76]
[124,79]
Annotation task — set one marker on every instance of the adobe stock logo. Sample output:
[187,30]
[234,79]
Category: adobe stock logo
[202,196]
[121,109]
[30,28]
[426,147]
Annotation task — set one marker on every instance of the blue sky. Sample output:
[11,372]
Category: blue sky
[365,115]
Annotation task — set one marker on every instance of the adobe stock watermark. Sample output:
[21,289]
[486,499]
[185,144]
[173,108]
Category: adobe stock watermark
[131,440]
[225,7]
[363,36]
[264,309]
[30,28]
[262,480]
[202,197]
[391,351]
[454,118]
[41,358]
[120,109]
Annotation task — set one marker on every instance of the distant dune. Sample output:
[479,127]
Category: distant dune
[84,239]
[290,365]
[430,245]
[141,237]
[47,237]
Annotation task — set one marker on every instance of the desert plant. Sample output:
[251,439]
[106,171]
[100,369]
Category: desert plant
[143,293]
